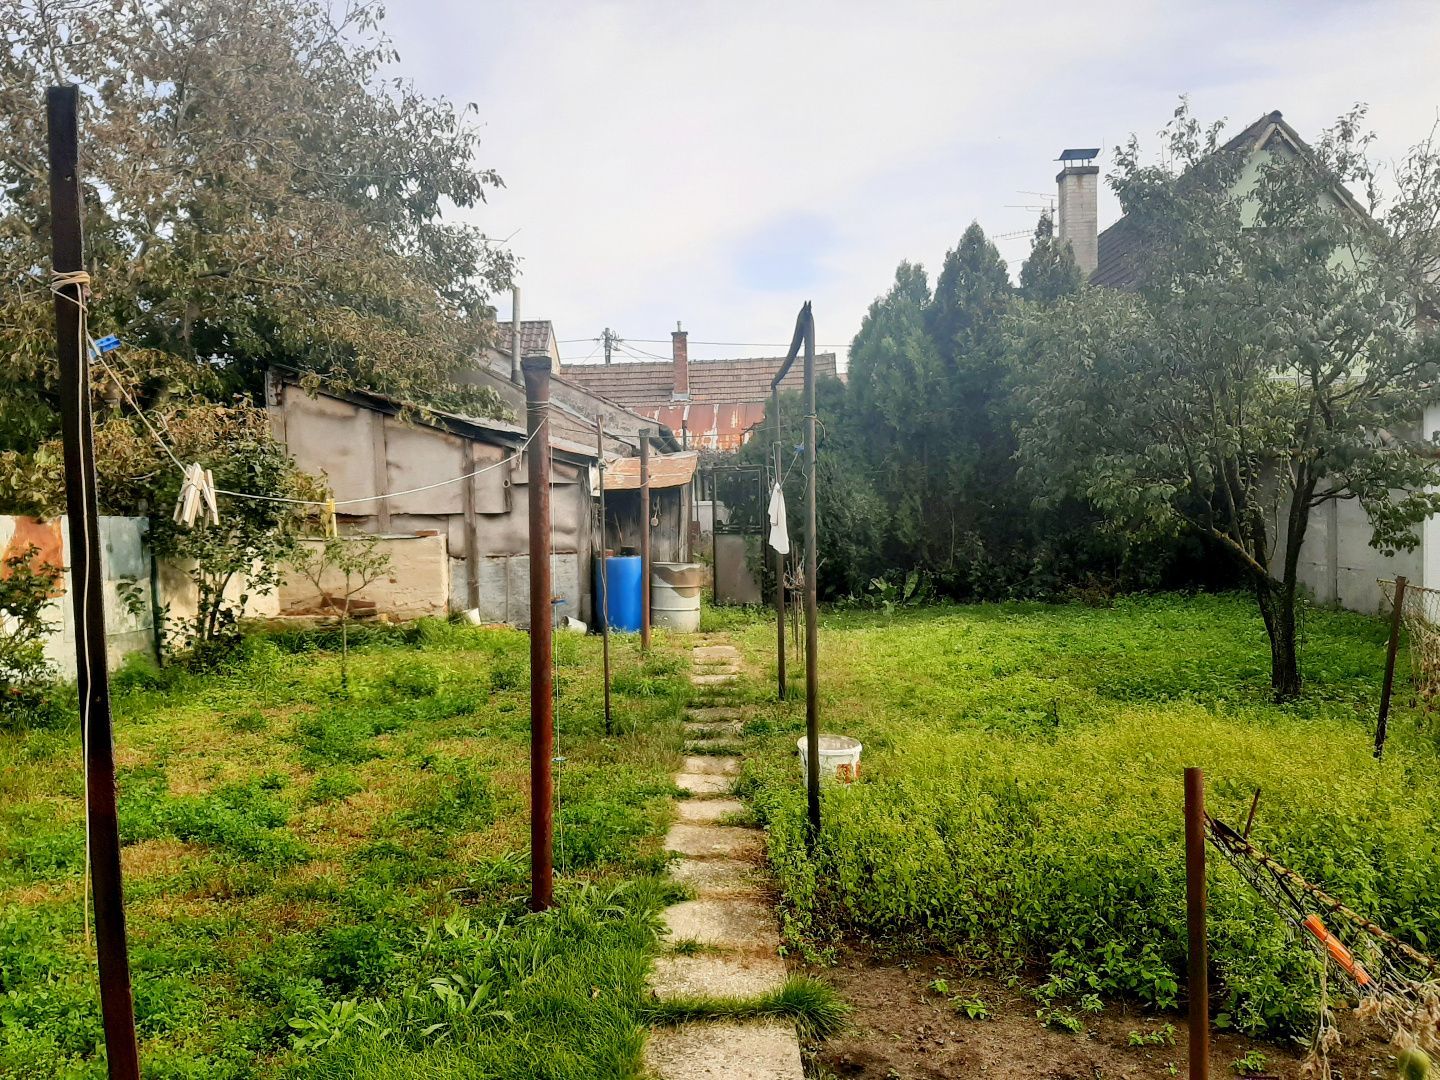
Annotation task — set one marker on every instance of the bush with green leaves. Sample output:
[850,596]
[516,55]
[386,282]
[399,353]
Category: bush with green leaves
[26,676]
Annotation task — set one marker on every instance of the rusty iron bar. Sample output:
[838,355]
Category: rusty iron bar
[714,538]
[1383,723]
[1198,976]
[778,559]
[1250,819]
[604,573]
[536,370]
[812,615]
[644,539]
[117,1005]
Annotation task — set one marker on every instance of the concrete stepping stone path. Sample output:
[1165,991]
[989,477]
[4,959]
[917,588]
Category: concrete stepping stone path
[730,925]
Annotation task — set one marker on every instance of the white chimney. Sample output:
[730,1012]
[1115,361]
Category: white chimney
[1078,226]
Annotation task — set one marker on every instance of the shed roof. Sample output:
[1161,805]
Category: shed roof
[666,471]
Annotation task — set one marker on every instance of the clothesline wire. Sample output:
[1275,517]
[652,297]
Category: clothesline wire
[99,357]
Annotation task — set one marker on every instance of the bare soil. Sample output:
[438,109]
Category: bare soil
[901,1029]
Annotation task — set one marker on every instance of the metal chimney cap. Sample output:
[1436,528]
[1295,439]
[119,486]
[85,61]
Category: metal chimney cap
[1081,154]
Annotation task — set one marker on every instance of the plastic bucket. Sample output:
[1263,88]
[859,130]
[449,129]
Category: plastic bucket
[675,595]
[839,758]
[623,592]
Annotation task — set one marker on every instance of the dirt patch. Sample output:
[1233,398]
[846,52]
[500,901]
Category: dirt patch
[902,1029]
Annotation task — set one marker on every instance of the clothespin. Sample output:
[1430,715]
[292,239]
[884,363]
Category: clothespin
[331,527]
[197,497]
[108,343]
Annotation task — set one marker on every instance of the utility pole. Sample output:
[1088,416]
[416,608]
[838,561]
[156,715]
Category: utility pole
[542,703]
[610,339]
[644,539]
[117,1007]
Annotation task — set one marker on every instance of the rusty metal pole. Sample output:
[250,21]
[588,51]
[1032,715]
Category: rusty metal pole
[1394,644]
[604,572]
[777,558]
[536,370]
[117,1007]
[644,539]
[1199,985]
[812,643]
[714,539]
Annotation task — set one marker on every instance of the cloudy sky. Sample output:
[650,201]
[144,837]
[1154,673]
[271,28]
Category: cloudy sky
[719,163]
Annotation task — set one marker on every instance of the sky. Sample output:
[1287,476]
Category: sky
[720,163]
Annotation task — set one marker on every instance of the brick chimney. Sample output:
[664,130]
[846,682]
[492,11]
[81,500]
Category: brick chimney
[680,351]
[1079,183]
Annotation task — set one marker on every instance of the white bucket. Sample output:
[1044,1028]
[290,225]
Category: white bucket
[839,758]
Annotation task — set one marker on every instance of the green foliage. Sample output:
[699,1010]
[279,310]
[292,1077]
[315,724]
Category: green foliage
[1050,273]
[1251,1063]
[815,1007]
[26,676]
[339,568]
[1164,1035]
[1020,787]
[1270,360]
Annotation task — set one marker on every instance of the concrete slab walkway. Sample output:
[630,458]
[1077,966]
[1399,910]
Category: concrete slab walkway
[729,928]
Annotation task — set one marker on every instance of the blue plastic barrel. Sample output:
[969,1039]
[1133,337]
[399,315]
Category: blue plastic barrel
[624,592]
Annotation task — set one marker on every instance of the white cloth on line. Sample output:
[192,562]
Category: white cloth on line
[779,536]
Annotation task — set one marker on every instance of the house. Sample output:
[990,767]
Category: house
[456,545]
[1337,564]
[705,404]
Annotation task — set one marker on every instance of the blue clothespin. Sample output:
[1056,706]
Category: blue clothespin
[109,343]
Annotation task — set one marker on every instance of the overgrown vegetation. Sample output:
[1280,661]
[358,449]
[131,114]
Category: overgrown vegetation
[26,596]
[1020,794]
[323,884]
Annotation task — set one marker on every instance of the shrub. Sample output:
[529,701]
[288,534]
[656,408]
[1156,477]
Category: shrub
[26,676]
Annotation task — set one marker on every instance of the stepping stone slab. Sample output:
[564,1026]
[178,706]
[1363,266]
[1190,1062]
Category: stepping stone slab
[716,976]
[711,680]
[697,811]
[712,746]
[711,713]
[741,923]
[713,841]
[709,763]
[703,653]
[712,732]
[759,1050]
[713,878]
[704,783]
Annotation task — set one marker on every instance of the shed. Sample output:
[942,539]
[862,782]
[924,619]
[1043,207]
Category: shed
[671,505]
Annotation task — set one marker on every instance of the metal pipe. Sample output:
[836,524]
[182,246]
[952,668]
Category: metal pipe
[515,334]
[812,644]
[644,540]
[542,703]
[778,560]
[1394,643]
[714,538]
[1199,986]
[117,1006]
[604,571]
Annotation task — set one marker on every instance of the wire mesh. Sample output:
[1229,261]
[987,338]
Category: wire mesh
[1420,615]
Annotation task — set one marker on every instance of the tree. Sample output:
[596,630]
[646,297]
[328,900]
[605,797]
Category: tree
[257,193]
[1050,272]
[1269,360]
[340,567]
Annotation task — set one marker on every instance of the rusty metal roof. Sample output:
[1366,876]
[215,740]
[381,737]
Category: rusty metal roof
[666,471]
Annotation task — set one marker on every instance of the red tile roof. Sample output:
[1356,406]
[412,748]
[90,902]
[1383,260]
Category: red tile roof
[727,397]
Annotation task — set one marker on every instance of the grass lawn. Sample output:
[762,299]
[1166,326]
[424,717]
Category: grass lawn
[325,885]
[1020,800]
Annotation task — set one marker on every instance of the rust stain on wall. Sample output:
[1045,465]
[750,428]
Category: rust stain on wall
[43,535]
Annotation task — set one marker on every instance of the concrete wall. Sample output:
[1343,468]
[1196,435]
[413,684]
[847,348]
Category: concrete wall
[1338,565]
[361,451]
[416,584]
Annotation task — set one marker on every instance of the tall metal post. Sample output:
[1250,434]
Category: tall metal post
[777,559]
[812,644]
[644,539]
[117,1007]
[714,537]
[1394,643]
[536,370]
[604,572]
[515,334]
[1199,983]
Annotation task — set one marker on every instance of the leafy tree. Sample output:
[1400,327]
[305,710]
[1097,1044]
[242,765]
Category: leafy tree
[1269,361]
[340,567]
[257,193]
[1050,272]
[26,593]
